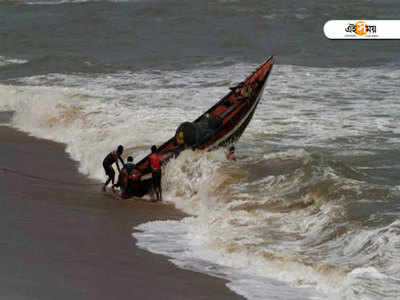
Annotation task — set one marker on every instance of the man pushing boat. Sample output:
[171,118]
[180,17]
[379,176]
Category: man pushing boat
[108,161]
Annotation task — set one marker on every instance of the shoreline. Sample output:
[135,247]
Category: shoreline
[62,238]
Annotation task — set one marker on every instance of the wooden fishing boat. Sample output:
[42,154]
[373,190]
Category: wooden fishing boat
[219,126]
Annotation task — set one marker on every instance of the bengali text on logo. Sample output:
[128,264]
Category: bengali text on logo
[362,29]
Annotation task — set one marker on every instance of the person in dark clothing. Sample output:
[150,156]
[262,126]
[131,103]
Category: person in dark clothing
[155,165]
[108,161]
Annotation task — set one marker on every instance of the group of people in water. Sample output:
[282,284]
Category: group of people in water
[129,169]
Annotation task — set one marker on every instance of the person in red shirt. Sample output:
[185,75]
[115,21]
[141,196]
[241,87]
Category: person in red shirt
[155,165]
[230,155]
[108,161]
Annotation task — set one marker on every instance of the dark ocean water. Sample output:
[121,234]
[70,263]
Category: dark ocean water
[101,36]
[314,198]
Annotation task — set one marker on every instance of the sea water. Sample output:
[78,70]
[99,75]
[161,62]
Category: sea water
[310,209]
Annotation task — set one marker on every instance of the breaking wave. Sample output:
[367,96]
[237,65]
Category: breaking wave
[4,61]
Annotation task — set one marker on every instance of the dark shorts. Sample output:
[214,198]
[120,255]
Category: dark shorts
[109,171]
[156,177]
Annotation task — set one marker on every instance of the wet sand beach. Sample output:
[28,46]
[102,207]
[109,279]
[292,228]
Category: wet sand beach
[61,238]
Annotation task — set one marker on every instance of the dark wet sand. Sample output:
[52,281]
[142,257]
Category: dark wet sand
[61,238]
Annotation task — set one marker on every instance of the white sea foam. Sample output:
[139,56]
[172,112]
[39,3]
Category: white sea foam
[9,61]
[290,154]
